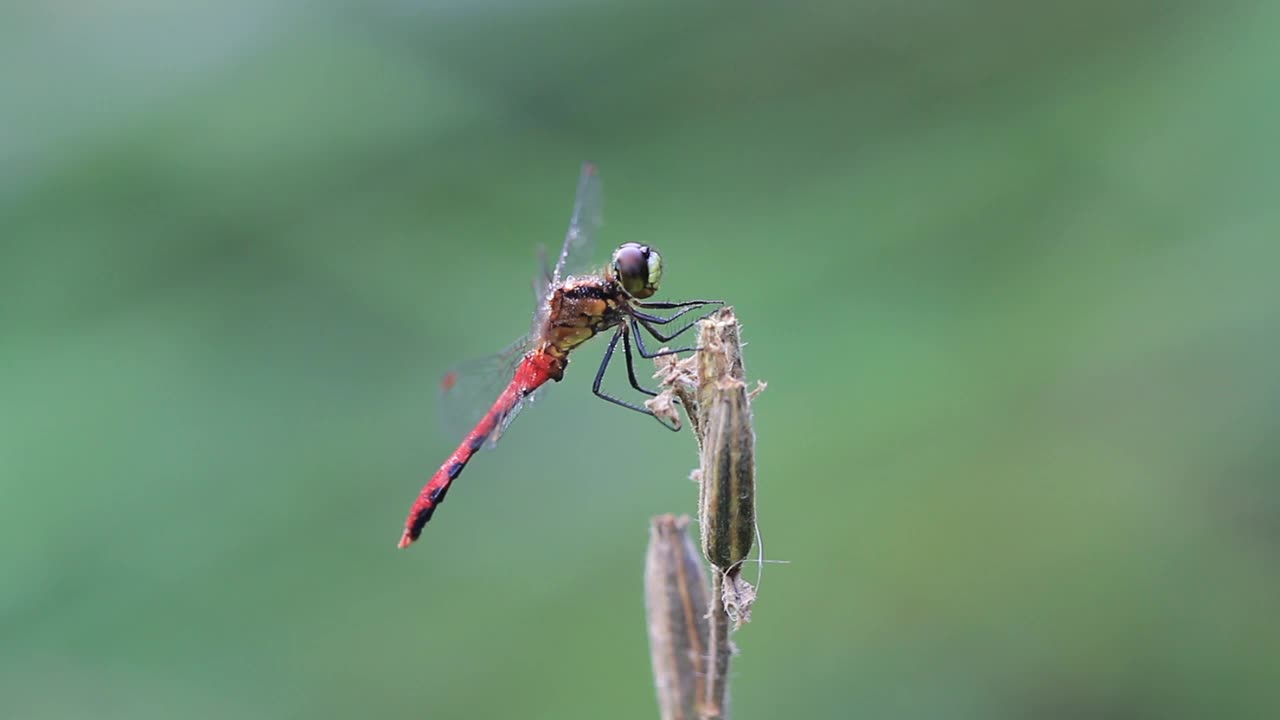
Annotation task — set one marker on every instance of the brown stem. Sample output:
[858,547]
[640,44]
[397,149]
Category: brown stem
[715,703]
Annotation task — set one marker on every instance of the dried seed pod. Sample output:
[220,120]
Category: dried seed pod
[711,386]
[726,511]
[677,603]
[720,357]
[679,378]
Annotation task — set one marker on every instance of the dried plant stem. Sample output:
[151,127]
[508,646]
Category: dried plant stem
[711,386]
[715,705]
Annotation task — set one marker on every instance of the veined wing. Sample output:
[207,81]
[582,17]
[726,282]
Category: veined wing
[576,255]
[470,389]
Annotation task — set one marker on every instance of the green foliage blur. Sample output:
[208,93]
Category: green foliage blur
[1010,270]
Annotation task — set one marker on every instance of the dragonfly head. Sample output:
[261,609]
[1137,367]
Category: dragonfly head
[637,268]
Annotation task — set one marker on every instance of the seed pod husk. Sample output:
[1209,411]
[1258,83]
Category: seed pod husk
[726,511]
[677,604]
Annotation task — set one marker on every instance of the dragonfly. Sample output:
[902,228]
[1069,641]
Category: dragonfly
[574,303]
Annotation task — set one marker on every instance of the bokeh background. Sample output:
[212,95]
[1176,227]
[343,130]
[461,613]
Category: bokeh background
[1009,269]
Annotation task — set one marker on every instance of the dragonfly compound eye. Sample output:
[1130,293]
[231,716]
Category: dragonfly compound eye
[638,268]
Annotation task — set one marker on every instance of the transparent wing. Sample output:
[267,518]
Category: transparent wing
[541,285]
[470,389]
[577,253]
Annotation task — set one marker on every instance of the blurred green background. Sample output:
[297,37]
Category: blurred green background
[1009,268]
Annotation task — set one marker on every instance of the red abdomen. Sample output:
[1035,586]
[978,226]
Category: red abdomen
[533,372]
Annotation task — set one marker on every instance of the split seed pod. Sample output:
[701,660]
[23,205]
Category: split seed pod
[726,512]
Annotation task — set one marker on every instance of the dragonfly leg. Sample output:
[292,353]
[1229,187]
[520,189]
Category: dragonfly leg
[631,365]
[648,325]
[644,351]
[686,307]
[674,305]
[604,365]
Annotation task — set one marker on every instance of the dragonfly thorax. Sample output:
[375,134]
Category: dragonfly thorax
[579,309]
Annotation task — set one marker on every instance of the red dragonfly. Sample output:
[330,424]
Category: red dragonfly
[570,310]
